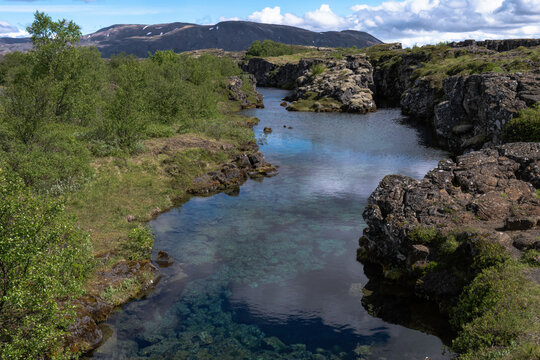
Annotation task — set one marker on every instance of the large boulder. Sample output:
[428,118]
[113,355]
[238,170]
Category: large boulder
[488,193]
[335,85]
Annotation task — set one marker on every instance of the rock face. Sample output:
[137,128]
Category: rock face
[269,74]
[489,192]
[247,99]
[478,107]
[335,85]
[392,79]
[497,45]
[419,100]
[321,85]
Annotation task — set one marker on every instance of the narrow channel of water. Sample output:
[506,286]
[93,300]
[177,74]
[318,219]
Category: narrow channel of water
[272,273]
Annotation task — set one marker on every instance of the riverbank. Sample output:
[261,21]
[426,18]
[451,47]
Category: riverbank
[269,271]
[112,147]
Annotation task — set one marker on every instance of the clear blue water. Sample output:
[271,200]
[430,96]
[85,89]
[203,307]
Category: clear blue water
[272,273]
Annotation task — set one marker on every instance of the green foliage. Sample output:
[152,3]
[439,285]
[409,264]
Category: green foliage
[139,243]
[57,35]
[424,235]
[318,69]
[44,259]
[531,257]
[55,162]
[123,121]
[524,127]
[268,48]
[497,309]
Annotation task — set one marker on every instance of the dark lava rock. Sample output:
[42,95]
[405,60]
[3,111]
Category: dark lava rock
[482,190]
[519,223]
[267,130]
[497,45]
[230,176]
[284,104]
[486,102]
[527,243]
[163,259]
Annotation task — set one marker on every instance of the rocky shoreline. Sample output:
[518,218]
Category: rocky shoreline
[491,192]
[466,112]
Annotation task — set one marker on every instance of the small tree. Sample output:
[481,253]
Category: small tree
[48,82]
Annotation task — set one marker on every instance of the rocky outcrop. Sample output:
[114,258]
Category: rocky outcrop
[488,194]
[497,45]
[231,175]
[334,85]
[243,89]
[392,75]
[477,107]
[269,74]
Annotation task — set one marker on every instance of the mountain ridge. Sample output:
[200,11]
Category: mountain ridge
[140,39]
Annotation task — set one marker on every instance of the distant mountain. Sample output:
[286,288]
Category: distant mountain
[228,35]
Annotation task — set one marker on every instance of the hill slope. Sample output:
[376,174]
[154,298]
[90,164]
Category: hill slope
[229,35]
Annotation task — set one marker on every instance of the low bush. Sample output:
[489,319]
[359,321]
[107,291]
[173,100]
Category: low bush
[500,308]
[139,243]
[525,127]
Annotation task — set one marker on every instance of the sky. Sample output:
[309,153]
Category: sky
[411,22]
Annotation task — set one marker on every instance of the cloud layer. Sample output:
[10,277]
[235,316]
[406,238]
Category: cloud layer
[422,21]
[7,30]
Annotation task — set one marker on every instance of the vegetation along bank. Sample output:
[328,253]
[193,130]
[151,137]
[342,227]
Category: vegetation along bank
[90,149]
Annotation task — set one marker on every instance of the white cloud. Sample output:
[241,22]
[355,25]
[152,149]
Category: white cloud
[8,30]
[421,21]
[430,21]
[322,18]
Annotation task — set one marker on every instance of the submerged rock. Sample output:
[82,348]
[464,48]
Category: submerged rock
[163,259]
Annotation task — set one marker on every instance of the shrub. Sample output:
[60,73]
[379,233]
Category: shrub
[44,259]
[497,309]
[525,127]
[54,162]
[139,243]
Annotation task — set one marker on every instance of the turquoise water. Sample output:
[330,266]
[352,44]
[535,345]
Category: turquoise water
[271,273]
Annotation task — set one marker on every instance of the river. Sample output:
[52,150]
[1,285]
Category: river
[271,272]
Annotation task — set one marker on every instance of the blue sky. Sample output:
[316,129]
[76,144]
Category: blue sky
[409,21]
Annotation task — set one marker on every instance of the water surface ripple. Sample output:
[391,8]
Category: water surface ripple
[272,273]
